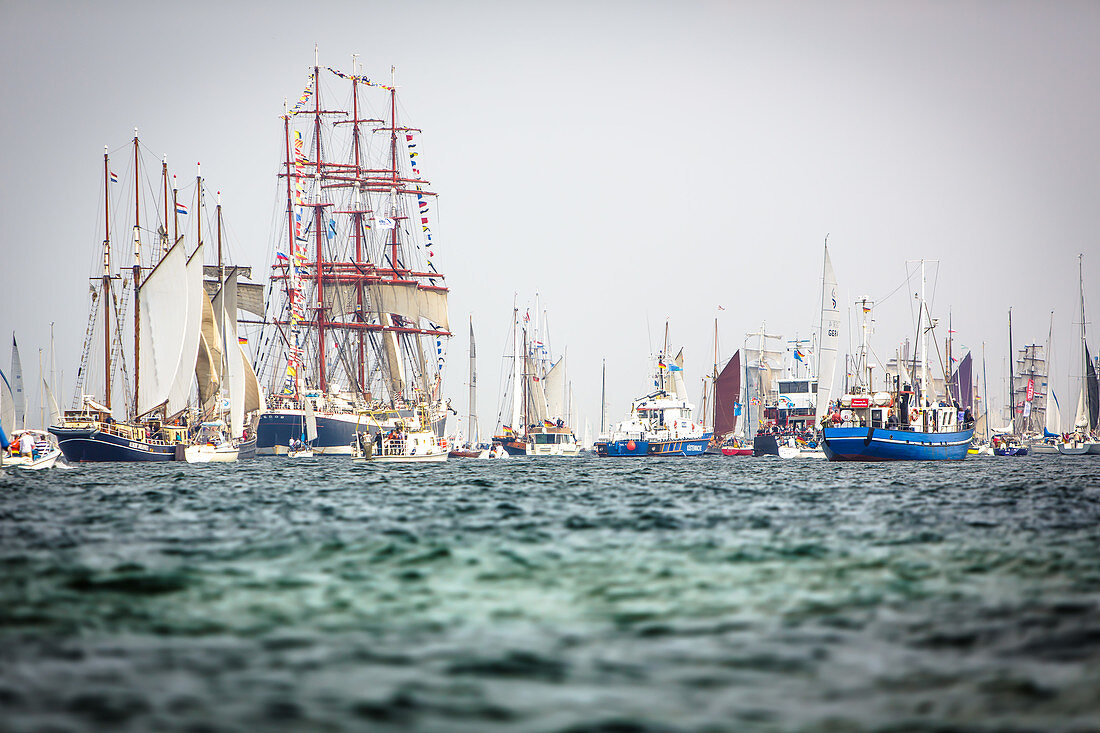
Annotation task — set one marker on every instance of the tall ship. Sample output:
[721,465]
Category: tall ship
[902,422]
[660,422]
[537,397]
[154,343]
[358,310]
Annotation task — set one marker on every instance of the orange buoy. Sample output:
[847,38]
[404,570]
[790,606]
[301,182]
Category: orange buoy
[631,445]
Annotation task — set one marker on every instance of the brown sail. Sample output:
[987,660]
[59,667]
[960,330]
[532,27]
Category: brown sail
[727,391]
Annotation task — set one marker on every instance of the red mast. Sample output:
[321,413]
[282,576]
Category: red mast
[318,210]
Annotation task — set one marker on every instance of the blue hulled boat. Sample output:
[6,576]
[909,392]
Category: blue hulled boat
[660,423]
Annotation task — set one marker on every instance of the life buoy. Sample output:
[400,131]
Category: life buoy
[914,413]
[836,417]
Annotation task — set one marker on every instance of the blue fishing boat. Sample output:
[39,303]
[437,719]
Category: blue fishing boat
[902,423]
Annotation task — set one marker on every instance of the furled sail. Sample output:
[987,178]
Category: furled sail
[18,395]
[828,339]
[554,386]
[185,369]
[727,391]
[395,369]
[162,328]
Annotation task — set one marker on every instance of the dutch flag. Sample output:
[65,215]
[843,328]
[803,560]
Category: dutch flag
[180,208]
[114,177]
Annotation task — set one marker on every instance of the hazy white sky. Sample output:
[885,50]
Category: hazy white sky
[630,161]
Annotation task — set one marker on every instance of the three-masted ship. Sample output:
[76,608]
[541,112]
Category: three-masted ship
[358,313]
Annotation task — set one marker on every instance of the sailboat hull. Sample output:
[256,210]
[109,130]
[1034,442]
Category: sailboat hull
[335,431]
[882,444]
[94,446]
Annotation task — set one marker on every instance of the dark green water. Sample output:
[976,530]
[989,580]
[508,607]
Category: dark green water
[553,595]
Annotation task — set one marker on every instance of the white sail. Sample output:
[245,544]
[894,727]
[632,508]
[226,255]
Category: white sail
[55,412]
[828,339]
[311,421]
[395,367]
[252,400]
[1053,408]
[234,363]
[554,386]
[180,391]
[162,328]
[17,393]
[208,365]
[7,406]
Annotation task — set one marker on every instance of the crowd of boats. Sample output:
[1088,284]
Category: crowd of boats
[341,352]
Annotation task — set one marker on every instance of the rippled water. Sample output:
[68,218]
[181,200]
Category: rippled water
[553,595]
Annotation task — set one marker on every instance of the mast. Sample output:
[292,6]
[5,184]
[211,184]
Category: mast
[106,283]
[472,419]
[164,184]
[318,209]
[923,348]
[1011,385]
[526,395]
[357,222]
[985,392]
[291,249]
[603,397]
[137,275]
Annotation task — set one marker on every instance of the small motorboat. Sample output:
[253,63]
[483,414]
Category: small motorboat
[43,455]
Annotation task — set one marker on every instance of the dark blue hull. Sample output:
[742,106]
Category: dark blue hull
[92,446]
[247,450]
[680,447]
[335,433]
[1017,451]
[765,444]
[883,444]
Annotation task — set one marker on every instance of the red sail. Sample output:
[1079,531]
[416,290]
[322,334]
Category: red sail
[727,391]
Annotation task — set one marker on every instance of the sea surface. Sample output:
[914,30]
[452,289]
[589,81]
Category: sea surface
[702,594]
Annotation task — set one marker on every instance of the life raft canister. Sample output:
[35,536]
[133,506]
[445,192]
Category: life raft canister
[631,445]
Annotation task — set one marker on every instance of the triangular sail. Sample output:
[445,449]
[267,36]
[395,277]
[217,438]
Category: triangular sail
[678,376]
[1053,426]
[555,390]
[51,403]
[252,401]
[162,328]
[727,392]
[7,405]
[962,387]
[18,394]
[828,339]
[1093,386]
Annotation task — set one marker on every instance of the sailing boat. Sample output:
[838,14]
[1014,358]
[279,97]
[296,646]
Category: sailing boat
[360,318]
[538,388]
[722,406]
[1083,439]
[166,323]
[472,449]
[303,447]
[891,425]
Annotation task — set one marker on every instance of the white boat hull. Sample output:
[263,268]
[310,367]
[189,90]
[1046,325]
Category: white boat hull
[210,454]
[46,460]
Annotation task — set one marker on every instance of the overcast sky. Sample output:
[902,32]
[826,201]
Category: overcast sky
[629,161]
